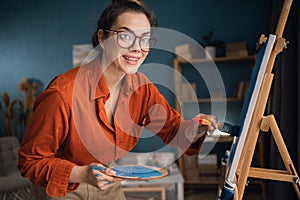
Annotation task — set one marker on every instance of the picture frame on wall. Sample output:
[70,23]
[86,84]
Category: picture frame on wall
[80,53]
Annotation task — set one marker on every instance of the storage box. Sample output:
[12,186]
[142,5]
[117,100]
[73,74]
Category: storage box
[189,51]
[236,49]
[191,174]
[208,164]
[208,169]
[190,162]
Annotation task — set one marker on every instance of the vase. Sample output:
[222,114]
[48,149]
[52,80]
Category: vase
[210,52]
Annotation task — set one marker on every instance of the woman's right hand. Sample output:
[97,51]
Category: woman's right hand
[97,178]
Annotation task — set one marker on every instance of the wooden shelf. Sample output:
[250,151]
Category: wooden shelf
[217,59]
[208,100]
[220,139]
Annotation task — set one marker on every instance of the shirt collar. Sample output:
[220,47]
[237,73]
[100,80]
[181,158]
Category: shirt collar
[99,88]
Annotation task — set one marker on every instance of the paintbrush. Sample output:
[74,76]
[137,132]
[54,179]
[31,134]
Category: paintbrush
[225,130]
[201,121]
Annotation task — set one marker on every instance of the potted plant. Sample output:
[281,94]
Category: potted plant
[15,112]
[211,46]
[7,111]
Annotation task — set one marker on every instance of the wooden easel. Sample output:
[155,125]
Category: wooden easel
[259,122]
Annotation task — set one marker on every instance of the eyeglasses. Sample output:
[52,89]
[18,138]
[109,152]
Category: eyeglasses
[126,40]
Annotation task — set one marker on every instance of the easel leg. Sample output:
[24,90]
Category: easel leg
[236,194]
[283,152]
[242,179]
[260,161]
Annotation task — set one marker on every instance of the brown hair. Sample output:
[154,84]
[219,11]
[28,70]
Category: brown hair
[115,9]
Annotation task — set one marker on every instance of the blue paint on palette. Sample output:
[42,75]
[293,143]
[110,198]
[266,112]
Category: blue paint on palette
[136,171]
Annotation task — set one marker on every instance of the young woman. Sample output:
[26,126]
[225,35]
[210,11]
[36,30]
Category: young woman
[94,114]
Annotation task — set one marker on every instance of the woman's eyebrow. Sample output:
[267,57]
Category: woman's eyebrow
[124,27]
[128,29]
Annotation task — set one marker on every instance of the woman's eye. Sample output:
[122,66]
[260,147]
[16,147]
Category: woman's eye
[124,36]
[145,40]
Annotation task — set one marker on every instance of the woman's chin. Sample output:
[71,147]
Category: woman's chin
[132,70]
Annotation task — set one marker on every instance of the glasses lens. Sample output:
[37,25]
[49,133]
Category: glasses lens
[125,39]
[147,42]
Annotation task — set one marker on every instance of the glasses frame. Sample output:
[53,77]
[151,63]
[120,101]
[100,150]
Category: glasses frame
[135,37]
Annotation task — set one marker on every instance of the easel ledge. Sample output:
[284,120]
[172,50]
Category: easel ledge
[260,122]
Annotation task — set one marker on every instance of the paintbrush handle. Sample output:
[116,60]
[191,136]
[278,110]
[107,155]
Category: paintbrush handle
[201,121]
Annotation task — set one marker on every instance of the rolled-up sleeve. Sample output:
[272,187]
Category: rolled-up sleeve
[169,125]
[42,143]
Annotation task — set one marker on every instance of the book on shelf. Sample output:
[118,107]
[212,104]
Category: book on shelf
[246,85]
[185,56]
[188,91]
[189,51]
[241,89]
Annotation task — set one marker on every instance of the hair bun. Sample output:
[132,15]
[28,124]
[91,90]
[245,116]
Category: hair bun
[139,2]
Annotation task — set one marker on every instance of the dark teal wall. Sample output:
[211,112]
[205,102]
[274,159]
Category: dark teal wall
[36,37]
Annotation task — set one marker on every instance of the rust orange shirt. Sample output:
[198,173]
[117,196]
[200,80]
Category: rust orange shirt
[69,125]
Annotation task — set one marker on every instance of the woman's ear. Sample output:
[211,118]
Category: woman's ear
[101,38]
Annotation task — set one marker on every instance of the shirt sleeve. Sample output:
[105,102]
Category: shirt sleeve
[168,124]
[44,137]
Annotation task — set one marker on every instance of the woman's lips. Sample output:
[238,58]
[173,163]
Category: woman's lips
[133,60]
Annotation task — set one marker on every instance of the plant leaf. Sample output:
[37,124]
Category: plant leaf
[5,98]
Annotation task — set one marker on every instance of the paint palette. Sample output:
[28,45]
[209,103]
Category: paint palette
[135,172]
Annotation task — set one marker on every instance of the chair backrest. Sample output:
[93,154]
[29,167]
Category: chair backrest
[9,147]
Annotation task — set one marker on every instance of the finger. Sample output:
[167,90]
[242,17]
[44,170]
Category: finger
[212,118]
[214,123]
[97,173]
[199,135]
[202,129]
[103,169]
[100,177]
[102,184]
[110,172]
[213,126]
[98,167]
[107,185]
[108,178]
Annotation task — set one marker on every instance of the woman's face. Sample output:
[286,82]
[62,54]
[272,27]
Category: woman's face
[127,60]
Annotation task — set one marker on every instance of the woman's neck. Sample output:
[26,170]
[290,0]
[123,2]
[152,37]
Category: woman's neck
[112,75]
[112,78]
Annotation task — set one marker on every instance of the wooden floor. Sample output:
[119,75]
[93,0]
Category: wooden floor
[197,192]
[209,192]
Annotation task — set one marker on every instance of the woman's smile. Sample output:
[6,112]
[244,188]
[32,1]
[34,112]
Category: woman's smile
[131,59]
